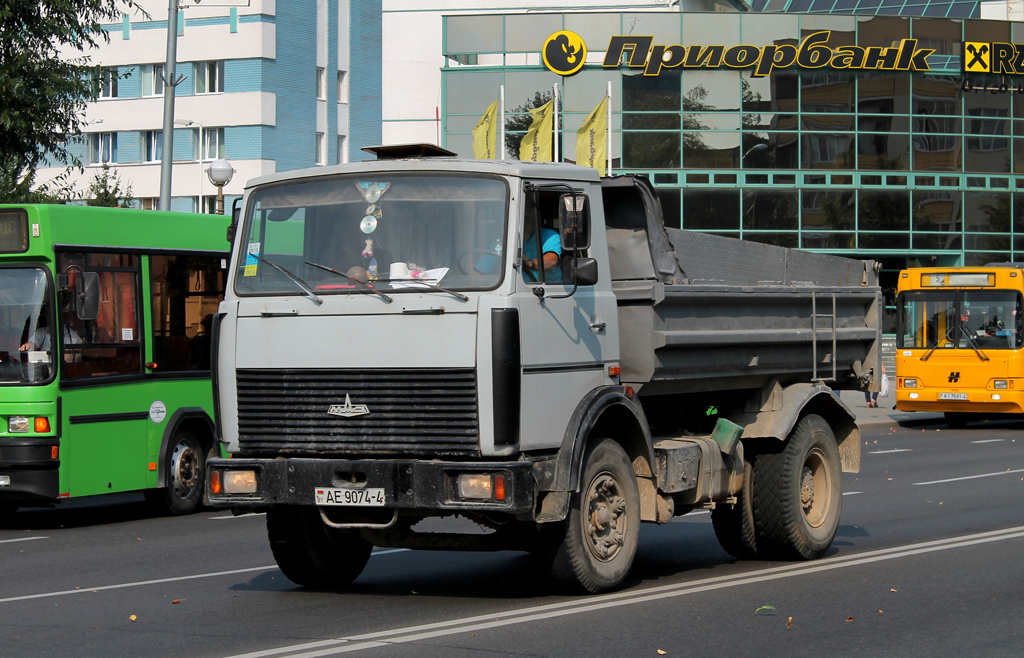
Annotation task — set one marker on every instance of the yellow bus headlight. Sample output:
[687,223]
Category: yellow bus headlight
[909,383]
[1000,383]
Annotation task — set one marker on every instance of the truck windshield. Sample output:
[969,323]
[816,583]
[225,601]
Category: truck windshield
[394,232]
[26,353]
[948,319]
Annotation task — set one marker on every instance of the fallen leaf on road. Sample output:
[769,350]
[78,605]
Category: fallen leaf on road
[138,539]
[764,607]
[893,590]
[133,617]
[789,623]
[880,612]
[176,601]
[849,619]
[660,652]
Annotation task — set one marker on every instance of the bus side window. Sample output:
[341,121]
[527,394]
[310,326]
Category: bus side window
[186,292]
[110,344]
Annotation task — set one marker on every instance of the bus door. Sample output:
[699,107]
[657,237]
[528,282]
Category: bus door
[104,415]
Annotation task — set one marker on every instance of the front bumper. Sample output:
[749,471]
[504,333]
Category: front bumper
[407,484]
[34,473]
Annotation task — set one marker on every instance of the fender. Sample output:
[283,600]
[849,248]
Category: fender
[177,418]
[569,461]
[784,407]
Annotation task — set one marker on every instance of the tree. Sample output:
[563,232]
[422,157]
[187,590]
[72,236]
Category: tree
[106,190]
[44,93]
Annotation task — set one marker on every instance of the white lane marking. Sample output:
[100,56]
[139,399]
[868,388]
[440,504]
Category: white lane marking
[989,441]
[589,604]
[159,581]
[970,477]
[852,493]
[10,541]
[239,516]
[886,452]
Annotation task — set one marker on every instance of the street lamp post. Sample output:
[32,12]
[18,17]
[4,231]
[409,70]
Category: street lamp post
[220,172]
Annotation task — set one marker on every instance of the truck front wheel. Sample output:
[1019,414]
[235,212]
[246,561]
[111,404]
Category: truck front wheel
[603,527]
[311,554]
[797,493]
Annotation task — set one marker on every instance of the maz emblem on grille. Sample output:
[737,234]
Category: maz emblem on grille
[348,409]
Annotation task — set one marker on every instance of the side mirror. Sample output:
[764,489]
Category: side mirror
[236,212]
[574,218]
[586,271]
[87,296]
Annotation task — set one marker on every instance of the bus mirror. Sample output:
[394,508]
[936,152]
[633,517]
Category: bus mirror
[231,232]
[574,218]
[87,296]
[236,212]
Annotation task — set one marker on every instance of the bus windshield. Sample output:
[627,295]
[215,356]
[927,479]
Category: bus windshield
[26,353]
[383,231]
[965,319]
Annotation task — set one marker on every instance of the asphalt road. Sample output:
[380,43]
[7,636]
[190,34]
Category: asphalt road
[927,563]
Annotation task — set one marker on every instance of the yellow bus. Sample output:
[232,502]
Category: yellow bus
[958,340]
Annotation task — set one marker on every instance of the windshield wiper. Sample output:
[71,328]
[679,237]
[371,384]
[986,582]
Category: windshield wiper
[949,330]
[365,286]
[299,282]
[429,286]
[972,341]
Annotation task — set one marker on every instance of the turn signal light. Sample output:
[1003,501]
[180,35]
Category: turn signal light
[614,371]
[499,487]
[215,482]
[42,424]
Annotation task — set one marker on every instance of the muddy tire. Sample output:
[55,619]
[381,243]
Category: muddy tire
[310,553]
[734,524]
[797,493]
[596,551]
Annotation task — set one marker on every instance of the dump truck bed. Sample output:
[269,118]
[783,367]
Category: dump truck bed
[701,312]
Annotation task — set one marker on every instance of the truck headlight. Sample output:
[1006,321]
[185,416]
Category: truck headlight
[19,424]
[239,482]
[482,486]
[909,383]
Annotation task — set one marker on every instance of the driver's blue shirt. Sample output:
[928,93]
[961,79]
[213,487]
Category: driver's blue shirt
[550,242]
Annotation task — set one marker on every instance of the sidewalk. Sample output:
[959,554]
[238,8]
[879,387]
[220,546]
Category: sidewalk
[884,415]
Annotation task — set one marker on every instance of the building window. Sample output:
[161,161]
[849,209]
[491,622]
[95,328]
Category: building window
[209,205]
[108,83]
[209,77]
[342,153]
[149,203]
[321,83]
[102,148]
[342,87]
[154,145]
[213,143]
[990,122]
[321,148]
[153,80]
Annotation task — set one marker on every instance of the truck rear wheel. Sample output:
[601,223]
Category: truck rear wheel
[798,493]
[311,554]
[601,533]
[734,524]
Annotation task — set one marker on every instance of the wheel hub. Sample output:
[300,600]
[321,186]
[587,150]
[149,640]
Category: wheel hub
[606,518]
[815,488]
[184,469]
[807,489]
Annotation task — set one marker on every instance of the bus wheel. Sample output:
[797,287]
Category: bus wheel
[603,526]
[956,419]
[186,475]
[311,554]
[7,511]
[798,493]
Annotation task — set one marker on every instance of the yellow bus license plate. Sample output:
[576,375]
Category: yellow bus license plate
[952,396]
[350,496]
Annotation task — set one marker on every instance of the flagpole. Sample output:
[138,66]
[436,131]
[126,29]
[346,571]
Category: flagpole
[501,121]
[608,132]
[557,139]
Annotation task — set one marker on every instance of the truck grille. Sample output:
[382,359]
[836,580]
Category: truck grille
[430,411]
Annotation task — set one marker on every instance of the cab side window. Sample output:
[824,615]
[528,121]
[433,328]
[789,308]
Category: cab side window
[542,244]
[110,344]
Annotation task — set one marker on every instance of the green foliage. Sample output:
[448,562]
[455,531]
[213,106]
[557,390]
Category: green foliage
[44,90]
[107,190]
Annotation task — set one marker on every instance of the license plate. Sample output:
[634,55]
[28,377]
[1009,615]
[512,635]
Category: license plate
[952,396]
[350,496]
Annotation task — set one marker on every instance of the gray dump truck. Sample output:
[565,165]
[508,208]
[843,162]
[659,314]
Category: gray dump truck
[525,345]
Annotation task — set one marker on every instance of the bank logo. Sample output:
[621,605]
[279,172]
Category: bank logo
[565,52]
[348,409]
[977,57]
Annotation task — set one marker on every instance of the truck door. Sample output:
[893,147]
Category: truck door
[565,339]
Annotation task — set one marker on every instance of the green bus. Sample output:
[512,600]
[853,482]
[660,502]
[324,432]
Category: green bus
[105,336]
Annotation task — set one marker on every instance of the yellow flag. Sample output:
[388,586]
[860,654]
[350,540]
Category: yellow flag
[592,138]
[536,145]
[484,134]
